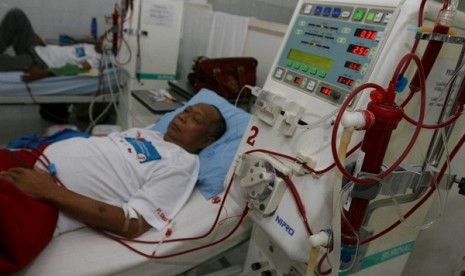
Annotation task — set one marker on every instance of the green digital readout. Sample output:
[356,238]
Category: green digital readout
[312,60]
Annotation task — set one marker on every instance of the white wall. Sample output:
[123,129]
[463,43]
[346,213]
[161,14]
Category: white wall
[279,11]
[263,44]
[52,17]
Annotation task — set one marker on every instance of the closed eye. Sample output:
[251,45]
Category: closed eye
[197,118]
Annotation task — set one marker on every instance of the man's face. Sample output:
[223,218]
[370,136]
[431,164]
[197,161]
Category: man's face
[190,129]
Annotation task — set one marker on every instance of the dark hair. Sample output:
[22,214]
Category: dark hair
[219,127]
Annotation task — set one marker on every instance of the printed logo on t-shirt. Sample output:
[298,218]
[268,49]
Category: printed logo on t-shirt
[162,215]
[144,149]
[80,52]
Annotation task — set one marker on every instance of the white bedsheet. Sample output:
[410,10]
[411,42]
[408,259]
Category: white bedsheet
[84,252]
[11,85]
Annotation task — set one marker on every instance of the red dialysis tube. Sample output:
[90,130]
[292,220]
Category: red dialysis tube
[374,145]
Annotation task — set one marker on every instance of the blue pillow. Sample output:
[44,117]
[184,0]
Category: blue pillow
[215,159]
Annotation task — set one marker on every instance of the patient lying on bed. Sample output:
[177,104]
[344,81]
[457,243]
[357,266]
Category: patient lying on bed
[38,60]
[42,60]
[125,183]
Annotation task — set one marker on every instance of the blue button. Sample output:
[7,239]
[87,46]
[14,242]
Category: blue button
[318,10]
[327,11]
[336,12]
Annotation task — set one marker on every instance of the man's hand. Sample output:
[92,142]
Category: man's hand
[85,65]
[34,73]
[35,183]
[41,186]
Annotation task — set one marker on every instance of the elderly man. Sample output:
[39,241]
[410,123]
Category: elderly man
[126,182]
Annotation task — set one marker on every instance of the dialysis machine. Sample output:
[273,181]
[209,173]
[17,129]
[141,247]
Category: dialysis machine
[150,34]
[331,102]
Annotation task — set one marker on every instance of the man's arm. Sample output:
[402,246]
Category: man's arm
[35,73]
[41,186]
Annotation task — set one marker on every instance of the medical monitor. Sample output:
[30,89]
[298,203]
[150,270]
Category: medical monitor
[330,48]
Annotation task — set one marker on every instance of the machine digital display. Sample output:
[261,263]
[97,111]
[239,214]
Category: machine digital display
[346,81]
[358,50]
[312,60]
[365,33]
[328,56]
[325,90]
[353,65]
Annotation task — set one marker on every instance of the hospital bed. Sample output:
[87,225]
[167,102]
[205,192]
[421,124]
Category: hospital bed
[86,252]
[59,89]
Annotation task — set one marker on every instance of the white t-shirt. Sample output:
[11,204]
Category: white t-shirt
[58,56]
[136,167]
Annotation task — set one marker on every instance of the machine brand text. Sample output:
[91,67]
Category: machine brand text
[285,226]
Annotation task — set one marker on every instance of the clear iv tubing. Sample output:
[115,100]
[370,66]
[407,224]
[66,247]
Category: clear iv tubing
[112,94]
[122,39]
[454,151]
[444,21]
[311,170]
[417,41]
[451,119]
[379,88]
[343,191]
[402,219]
[318,122]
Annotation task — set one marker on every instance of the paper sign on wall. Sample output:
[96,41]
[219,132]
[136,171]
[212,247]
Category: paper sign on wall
[158,14]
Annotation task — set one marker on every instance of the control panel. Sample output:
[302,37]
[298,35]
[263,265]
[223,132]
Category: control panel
[330,49]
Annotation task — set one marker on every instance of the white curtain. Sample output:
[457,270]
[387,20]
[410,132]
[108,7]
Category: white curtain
[227,35]
[210,34]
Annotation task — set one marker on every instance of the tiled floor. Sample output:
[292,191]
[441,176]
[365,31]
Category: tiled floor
[19,120]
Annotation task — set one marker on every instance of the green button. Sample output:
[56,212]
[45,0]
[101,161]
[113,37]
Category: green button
[262,207]
[296,66]
[289,63]
[370,16]
[305,68]
[322,74]
[358,15]
[313,71]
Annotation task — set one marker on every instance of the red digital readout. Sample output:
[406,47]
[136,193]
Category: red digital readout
[353,65]
[326,90]
[358,50]
[367,34]
[346,81]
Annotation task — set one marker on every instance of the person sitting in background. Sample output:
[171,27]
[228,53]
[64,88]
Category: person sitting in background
[39,60]
[126,182]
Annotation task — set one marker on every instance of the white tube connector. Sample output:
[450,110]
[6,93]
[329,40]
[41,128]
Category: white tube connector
[268,105]
[292,115]
[323,238]
[256,91]
[358,119]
